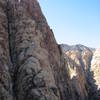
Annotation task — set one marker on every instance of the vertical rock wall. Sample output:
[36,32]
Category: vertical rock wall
[33,74]
[78,59]
[5,64]
[95,71]
[32,64]
[38,68]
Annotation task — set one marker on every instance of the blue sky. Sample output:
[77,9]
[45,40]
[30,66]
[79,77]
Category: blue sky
[74,21]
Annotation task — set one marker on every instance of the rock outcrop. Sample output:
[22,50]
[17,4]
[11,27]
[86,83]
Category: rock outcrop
[5,63]
[78,59]
[83,64]
[95,69]
[34,67]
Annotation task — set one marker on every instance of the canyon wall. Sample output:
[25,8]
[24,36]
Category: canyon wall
[34,67]
[83,64]
[78,59]
[5,63]
[32,64]
[95,69]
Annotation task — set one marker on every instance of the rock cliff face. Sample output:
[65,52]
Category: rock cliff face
[83,64]
[95,69]
[78,59]
[34,67]
[5,63]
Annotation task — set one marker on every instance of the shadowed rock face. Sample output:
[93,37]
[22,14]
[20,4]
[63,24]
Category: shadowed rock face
[33,74]
[5,64]
[37,67]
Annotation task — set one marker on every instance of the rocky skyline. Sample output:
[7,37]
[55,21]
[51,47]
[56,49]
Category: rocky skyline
[74,21]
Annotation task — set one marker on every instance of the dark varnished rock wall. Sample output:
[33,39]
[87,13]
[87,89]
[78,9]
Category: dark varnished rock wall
[31,63]
[5,64]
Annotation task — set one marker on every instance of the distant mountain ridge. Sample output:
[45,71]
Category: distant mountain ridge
[67,47]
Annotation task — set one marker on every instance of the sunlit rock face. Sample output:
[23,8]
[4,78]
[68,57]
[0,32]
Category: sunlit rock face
[78,58]
[95,69]
[84,69]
